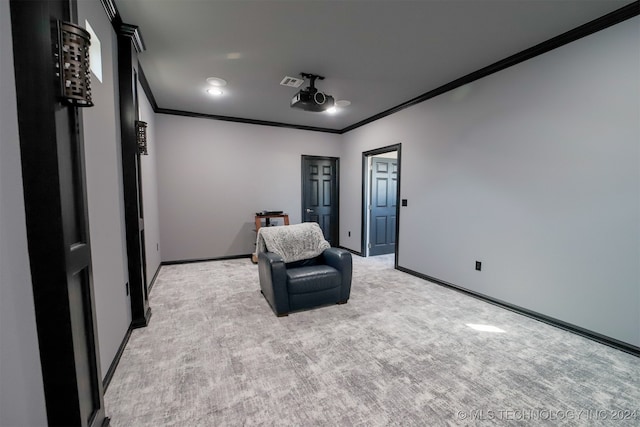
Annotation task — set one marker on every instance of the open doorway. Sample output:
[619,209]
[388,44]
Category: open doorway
[381,192]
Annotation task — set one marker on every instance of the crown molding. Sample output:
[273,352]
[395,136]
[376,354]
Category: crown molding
[133,32]
[246,121]
[110,9]
[629,11]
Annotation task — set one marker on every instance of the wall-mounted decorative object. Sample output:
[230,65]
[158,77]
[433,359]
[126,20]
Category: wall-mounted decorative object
[72,64]
[141,136]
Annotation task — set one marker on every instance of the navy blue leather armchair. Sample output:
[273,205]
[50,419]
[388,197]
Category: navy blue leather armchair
[298,285]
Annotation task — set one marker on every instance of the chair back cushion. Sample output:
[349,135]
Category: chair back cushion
[292,242]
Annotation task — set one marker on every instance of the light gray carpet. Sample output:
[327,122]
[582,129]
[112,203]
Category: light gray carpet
[399,353]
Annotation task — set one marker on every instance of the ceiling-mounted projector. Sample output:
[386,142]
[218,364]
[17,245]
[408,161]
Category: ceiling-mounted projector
[310,98]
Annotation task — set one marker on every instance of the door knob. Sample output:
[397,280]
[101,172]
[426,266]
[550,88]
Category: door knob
[309,210]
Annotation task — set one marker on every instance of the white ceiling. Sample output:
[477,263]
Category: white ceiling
[375,53]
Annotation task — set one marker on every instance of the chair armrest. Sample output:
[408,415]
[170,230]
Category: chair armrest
[273,281]
[340,259]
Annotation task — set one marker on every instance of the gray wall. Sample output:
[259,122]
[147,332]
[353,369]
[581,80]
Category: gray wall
[104,191]
[214,175]
[535,172]
[150,189]
[21,388]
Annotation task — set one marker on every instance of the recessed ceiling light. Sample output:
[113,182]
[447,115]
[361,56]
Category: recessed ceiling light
[343,103]
[216,81]
[215,91]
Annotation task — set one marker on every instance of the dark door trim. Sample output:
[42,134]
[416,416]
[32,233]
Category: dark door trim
[336,224]
[52,157]
[364,175]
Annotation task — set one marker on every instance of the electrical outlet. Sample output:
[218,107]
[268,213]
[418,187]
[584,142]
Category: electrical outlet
[478,266]
[404,202]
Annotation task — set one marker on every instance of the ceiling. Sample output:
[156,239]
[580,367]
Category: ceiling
[377,54]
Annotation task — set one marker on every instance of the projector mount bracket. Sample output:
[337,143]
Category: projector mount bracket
[312,80]
[319,97]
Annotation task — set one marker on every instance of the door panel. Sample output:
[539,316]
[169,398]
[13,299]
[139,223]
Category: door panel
[381,186]
[380,225]
[320,194]
[326,192]
[326,225]
[314,201]
[384,191]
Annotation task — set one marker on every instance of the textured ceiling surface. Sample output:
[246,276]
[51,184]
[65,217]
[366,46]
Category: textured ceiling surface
[375,53]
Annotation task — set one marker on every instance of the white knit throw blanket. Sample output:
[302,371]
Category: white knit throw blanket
[292,242]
